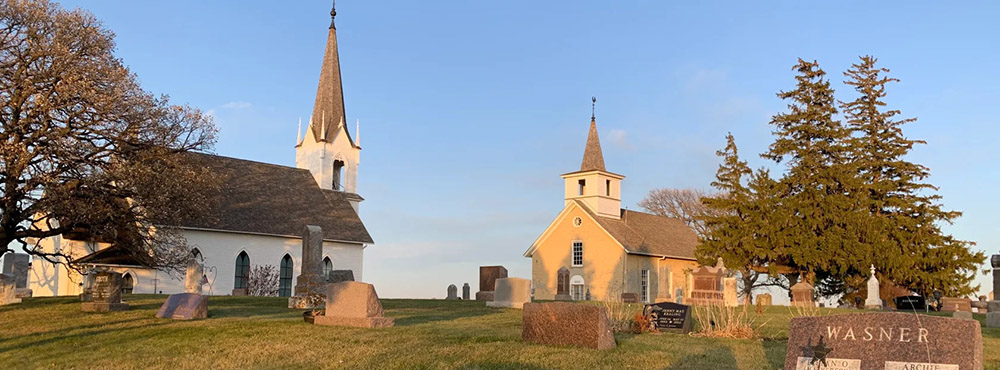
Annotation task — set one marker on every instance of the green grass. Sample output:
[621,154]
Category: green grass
[244,332]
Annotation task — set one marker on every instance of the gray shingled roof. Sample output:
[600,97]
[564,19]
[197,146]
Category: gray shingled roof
[271,199]
[644,233]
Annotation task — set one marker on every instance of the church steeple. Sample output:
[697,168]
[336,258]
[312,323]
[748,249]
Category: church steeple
[593,185]
[328,113]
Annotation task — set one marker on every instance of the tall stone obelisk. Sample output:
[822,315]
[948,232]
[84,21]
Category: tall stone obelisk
[993,307]
[311,282]
[873,301]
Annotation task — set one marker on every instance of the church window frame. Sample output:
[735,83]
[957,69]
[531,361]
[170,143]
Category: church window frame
[644,285]
[577,253]
[607,187]
[327,267]
[241,276]
[581,186]
[285,270]
[578,289]
[339,174]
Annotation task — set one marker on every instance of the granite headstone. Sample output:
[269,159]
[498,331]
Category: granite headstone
[884,340]
[8,288]
[562,285]
[106,293]
[511,293]
[564,323]
[352,303]
[910,303]
[452,292]
[488,276]
[311,281]
[184,306]
[669,317]
[465,292]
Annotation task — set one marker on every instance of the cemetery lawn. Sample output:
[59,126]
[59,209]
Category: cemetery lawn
[252,332]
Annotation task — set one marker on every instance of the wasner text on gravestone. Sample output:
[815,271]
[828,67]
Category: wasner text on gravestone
[884,341]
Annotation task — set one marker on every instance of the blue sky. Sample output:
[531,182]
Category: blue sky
[470,110]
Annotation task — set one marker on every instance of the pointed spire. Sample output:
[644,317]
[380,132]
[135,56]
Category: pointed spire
[298,140]
[593,158]
[357,133]
[330,94]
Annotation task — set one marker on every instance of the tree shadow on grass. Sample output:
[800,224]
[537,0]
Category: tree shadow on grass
[105,329]
[715,358]
[775,350]
[65,329]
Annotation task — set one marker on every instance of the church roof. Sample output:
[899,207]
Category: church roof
[266,198]
[112,255]
[593,159]
[328,112]
[648,234]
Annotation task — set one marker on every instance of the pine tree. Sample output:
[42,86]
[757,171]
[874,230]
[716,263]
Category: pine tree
[908,245]
[820,233]
[737,220]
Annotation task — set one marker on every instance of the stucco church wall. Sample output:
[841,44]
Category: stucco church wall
[602,258]
[660,285]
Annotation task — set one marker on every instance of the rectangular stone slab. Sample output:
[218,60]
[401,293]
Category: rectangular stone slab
[563,323]
[876,338]
[184,306]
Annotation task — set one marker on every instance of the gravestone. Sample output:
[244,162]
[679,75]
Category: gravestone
[729,294]
[8,288]
[193,277]
[562,285]
[311,282]
[630,297]
[679,296]
[339,276]
[952,304]
[910,303]
[669,317]
[184,306]
[16,265]
[964,315]
[564,323]
[452,292]
[883,340]
[465,292]
[511,293]
[764,299]
[993,307]
[873,301]
[88,286]
[191,304]
[352,303]
[106,293]
[802,295]
[488,276]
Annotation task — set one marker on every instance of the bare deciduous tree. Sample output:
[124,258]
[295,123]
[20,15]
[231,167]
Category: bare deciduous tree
[84,149]
[263,281]
[683,204]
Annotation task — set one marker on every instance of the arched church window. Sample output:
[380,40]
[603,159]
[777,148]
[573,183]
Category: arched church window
[196,254]
[285,277]
[242,271]
[338,175]
[128,284]
[327,267]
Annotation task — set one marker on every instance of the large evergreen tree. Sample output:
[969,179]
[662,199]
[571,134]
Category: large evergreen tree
[820,233]
[739,220]
[908,245]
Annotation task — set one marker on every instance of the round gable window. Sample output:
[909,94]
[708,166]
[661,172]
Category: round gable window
[577,222]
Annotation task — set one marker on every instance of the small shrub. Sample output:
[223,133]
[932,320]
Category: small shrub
[263,281]
[725,322]
[622,315]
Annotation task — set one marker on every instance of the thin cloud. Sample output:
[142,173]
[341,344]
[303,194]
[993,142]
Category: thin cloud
[619,140]
[234,105]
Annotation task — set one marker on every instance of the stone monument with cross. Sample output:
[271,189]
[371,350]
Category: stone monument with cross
[310,286]
[873,301]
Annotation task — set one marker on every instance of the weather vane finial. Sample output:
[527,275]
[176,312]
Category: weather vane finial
[333,14]
[593,107]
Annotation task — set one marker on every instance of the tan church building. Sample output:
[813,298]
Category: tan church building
[605,250]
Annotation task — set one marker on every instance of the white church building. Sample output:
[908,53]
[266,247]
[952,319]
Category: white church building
[261,215]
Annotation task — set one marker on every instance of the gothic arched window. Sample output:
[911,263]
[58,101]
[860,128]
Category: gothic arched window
[128,284]
[285,277]
[196,254]
[327,267]
[242,271]
[338,175]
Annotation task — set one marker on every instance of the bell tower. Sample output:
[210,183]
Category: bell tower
[327,149]
[593,185]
